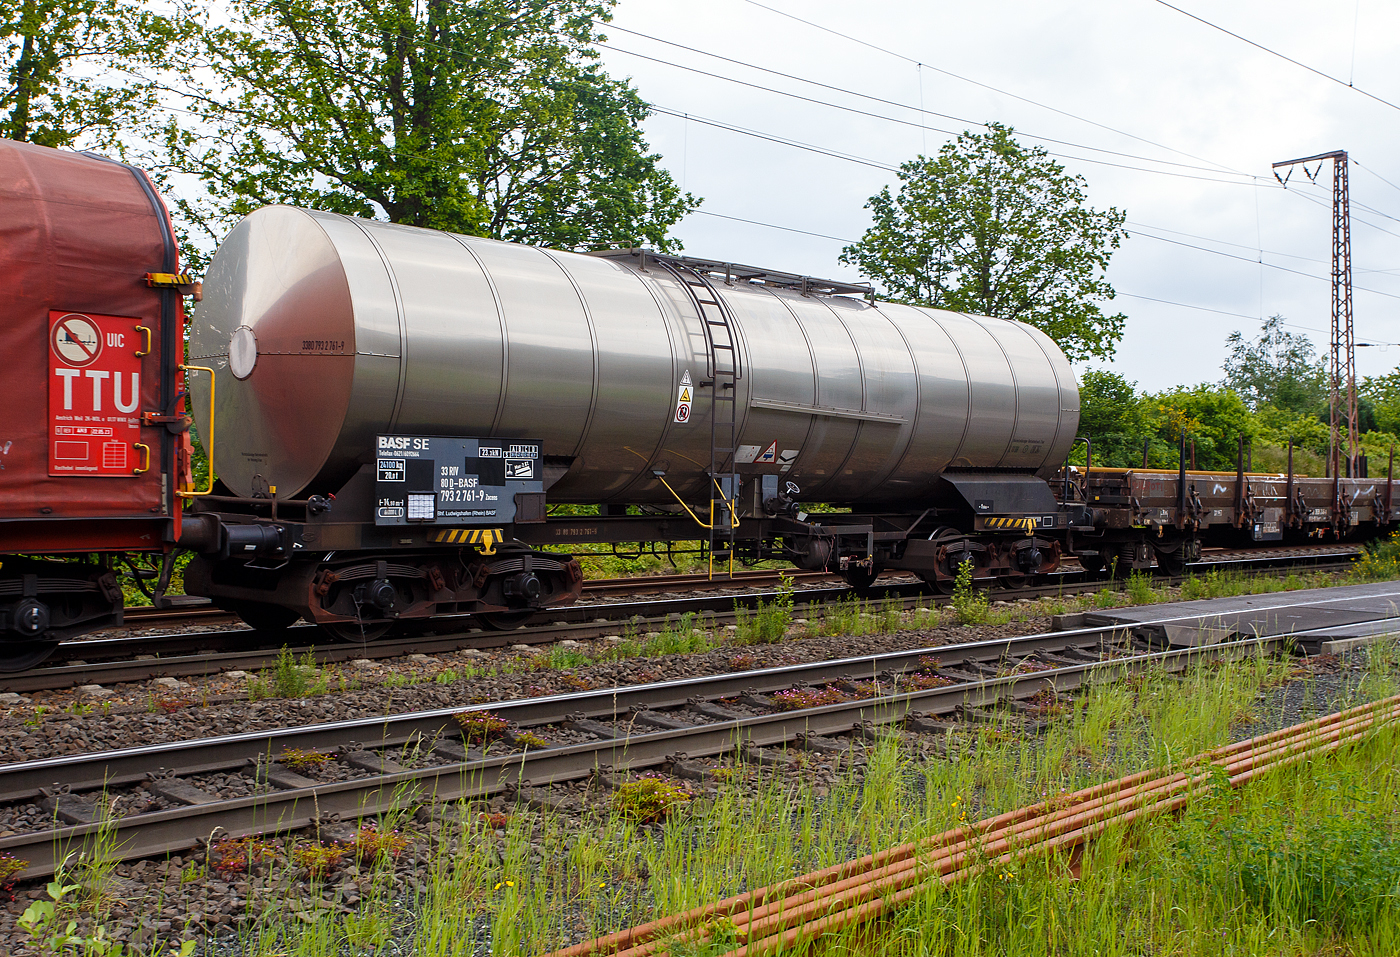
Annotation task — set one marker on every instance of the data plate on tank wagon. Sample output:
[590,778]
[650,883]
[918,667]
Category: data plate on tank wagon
[442,480]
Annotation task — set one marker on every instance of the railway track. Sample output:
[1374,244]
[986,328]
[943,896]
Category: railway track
[109,661]
[190,610]
[171,797]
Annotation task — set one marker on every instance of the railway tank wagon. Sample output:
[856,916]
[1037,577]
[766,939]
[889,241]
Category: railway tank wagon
[625,379]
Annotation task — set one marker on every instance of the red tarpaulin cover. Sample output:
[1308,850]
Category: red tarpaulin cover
[78,234]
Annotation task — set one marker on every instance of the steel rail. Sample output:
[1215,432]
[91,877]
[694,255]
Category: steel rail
[576,621]
[20,781]
[192,607]
[190,654]
[23,780]
[145,835]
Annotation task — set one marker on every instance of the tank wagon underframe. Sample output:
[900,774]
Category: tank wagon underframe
[324,563]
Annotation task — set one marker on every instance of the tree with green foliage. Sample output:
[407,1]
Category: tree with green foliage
[1382,394]
[992,227]
[1280,426]
[1278,368]
[1211,416]
[485,117]
[76,70]
[1112,415]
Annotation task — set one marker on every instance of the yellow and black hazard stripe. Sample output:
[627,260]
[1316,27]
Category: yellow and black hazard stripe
[1009,524]
[485,538]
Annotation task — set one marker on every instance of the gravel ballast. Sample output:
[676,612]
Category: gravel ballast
[165,900]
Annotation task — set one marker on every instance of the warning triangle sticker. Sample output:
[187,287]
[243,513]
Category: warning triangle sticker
[770,454]
[685,394]
[685,379]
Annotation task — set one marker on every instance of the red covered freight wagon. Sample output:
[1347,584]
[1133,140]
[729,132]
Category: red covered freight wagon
[93,450]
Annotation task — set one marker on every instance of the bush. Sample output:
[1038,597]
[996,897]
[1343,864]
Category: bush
[1379,561]
[648,800]
[969,602]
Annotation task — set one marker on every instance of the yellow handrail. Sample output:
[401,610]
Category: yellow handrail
[663,481]
[208,439]
[729,503]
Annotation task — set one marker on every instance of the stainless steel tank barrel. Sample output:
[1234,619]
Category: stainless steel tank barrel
[327,330]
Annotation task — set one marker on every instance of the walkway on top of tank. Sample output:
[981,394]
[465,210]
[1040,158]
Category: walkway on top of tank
[1325,619]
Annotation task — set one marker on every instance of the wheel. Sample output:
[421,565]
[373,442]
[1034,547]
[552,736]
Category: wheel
[860,579]
[1171,563]
[504,620]
[1093,564]
[1127,557]
[266,618]
[939,585]
[23,655]
[358,631]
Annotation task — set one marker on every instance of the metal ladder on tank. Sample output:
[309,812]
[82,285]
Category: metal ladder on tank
[724,374]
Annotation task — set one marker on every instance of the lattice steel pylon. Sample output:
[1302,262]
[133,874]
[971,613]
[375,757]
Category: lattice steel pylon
[1343,354]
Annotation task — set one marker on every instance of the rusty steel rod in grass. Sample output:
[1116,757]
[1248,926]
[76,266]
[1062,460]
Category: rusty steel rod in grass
[1277,750]
[638,941]
[904,891]
[1069,827]
[644,938]
[950,850]
[841,874]
[840,895]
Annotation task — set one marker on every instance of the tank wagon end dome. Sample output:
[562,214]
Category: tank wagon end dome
[276,294]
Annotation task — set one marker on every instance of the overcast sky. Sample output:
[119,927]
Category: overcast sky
[1132,84]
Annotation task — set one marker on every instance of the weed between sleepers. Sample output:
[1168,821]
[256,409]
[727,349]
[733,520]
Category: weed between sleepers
[648,800]
[969,602]
[769,622]
[481,727]
[795,699]
[301,760]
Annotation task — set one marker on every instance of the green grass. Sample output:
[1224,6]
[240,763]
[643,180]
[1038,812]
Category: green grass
[1232,870]
[1305,861]
[768,623]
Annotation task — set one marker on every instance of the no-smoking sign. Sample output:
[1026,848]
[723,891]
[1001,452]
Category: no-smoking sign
[76,340]
[683,400]
[95,395]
